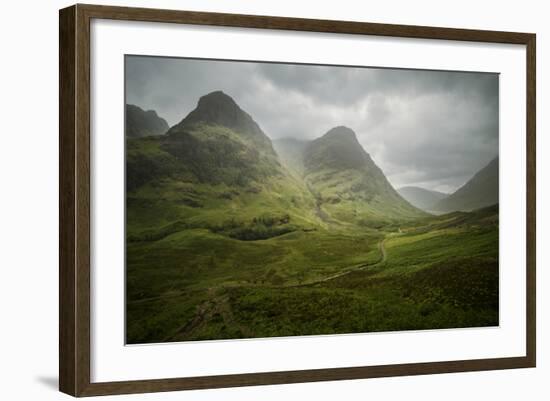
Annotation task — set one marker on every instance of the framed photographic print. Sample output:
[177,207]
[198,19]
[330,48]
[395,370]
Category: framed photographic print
[250,200]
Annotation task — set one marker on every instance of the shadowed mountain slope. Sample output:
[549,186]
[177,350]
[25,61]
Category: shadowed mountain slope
[480,191]
[216,143]
[141,123]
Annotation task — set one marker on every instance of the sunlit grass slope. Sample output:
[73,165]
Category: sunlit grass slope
[440,274]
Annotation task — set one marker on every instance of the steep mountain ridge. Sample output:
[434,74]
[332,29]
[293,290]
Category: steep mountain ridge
[480,191]
[349,183]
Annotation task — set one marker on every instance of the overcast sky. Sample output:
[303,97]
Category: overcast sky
[431,129]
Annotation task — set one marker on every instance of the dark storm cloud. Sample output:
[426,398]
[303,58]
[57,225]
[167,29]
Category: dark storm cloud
[433,129]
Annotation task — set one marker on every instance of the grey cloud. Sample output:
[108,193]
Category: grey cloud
[433,129]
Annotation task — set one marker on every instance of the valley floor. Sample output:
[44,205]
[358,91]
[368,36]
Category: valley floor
[194,284]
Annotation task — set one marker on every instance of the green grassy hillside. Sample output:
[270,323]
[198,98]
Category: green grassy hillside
[223,241]
[349,185]
[439,273]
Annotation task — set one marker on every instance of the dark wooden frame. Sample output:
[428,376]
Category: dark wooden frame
[74,203]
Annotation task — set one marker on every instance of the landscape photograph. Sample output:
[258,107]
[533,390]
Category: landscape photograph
[277,199]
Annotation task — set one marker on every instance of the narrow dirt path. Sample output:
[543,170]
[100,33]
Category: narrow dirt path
[383,257]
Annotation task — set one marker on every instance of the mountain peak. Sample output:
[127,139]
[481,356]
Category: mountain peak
[340,170]
[218,108]
[338,148]
[217,99]
[341,132]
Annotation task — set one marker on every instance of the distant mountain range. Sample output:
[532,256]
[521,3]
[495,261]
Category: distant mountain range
[141,123]
[480,191]
[421,198]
